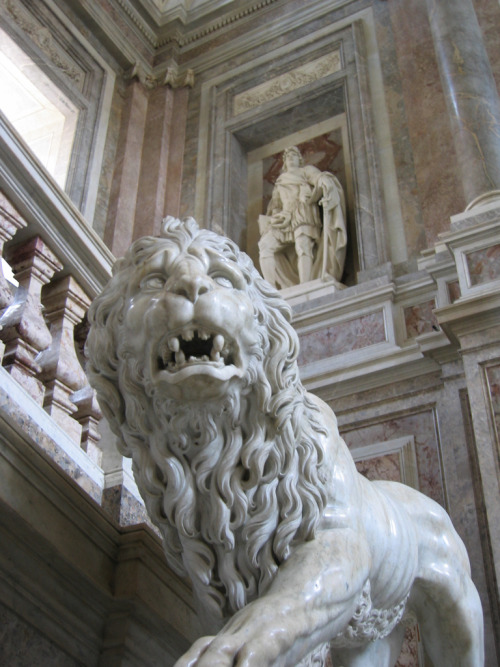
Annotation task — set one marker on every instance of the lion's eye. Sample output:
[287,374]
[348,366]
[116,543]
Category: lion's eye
[224,281]
[155,281]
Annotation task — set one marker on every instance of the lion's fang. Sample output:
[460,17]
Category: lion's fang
[180,357]
[218,343]
[173,344]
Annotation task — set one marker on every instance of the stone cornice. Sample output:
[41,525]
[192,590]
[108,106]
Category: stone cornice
[184,27]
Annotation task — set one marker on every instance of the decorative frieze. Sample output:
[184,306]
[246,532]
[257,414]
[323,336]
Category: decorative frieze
[288,82]
[44,40]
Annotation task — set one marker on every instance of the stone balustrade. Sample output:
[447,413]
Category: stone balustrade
[61,264]
[37,321]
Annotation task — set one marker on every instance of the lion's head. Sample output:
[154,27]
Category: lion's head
[194,361]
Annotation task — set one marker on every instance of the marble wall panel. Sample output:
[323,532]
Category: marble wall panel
[420,319]
[422,425]
[484,265]
[386,467]
[342,337]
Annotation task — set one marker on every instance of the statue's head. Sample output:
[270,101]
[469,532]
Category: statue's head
[190,315]
[292,157]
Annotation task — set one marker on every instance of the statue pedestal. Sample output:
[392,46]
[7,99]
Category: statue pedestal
[311,290]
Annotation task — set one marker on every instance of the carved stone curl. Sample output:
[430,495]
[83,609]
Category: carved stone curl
[256,495]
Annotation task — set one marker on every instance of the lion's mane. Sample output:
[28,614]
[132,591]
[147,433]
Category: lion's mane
[233,485]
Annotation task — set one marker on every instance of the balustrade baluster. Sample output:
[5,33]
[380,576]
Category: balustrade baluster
[10,223]
[65,306]
[24,331]
[88,415]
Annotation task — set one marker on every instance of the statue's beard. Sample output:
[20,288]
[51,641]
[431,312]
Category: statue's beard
[220,496]
[230,483]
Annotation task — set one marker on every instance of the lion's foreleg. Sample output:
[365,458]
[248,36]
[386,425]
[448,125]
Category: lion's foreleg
[312,599]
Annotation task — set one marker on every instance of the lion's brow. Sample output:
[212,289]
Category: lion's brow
[198,252]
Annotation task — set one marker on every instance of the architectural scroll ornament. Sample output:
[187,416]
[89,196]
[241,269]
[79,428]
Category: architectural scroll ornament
[42,37]
[288,82]
[246,476]
[169,77]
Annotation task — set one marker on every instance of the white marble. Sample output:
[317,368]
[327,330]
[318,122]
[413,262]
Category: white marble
[303,234]
[244,473]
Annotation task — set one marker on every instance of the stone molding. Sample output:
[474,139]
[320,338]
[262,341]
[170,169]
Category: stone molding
[171,76]
[44,40]
[287,82]
[183,34]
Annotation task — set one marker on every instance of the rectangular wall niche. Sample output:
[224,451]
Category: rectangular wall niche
[313,93]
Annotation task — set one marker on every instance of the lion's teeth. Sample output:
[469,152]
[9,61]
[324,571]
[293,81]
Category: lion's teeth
[205,358]
[173,344]
[218,343]
[204,335]
[188,335]
[214,356]
[180,357]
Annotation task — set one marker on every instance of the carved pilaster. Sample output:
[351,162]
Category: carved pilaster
[24,331]
[88,415]
[65,305]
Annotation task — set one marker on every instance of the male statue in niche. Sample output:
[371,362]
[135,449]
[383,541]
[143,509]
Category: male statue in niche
[303,234]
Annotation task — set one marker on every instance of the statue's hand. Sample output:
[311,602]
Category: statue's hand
[280,220]
[330,201]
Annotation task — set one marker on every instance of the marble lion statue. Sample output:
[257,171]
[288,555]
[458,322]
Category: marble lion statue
[290,551]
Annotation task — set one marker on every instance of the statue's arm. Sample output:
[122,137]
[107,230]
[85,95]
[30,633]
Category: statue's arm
[311,600]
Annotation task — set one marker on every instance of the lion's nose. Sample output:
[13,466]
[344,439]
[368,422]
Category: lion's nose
[190,284]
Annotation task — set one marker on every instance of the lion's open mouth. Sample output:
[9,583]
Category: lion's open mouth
[193,347]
